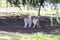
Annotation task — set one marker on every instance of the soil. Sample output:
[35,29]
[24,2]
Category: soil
[12,24]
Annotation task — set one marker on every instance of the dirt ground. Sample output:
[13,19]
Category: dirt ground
[14,25]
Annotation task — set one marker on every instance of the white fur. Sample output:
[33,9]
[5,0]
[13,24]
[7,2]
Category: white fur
[34,22]
[26,22]
[29,21]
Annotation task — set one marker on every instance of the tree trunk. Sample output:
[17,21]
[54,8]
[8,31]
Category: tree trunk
[39,10]
[39,14]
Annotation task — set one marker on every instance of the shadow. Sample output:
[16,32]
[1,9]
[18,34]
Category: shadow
[14,24]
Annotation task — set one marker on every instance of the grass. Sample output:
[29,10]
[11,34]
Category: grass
[48,12]
[43,13]
[36,36]
[2,4]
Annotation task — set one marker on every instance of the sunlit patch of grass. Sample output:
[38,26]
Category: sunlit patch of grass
[5,37]
[2,4]
[42,13]
[35,36]
[16,38]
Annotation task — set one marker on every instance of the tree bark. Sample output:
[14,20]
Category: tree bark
[39,14]
[39,10]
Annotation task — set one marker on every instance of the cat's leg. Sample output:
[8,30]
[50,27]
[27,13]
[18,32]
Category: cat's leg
[34,22]
[34,25]
[30,23]
[25,22]
[29,20]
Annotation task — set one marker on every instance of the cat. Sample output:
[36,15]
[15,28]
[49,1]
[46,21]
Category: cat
[29,19]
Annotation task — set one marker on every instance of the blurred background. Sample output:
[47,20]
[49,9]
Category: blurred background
[30,6]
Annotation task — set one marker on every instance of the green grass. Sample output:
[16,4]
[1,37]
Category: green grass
[42,13]
[2,4]
[36,36]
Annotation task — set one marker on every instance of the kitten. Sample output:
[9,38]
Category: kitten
[35,21]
